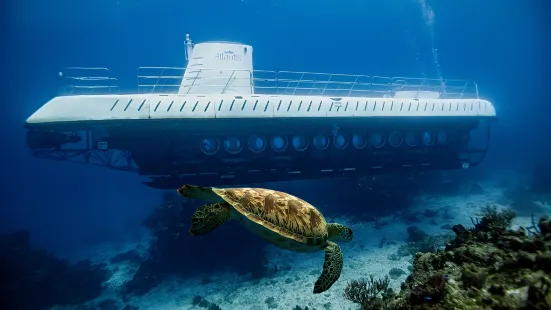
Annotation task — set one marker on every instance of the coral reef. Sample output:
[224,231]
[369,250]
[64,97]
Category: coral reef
[488,266]
[419,241]
[371,294]
[35,279]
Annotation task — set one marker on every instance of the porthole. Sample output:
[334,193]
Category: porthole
[395,139]
[209,146]
[257,143]
[359,141]
[300,143]
[428,138]
[321,142]
[377,140]
[411,139]
[442,138]
[278,143]
[233,145]
[339,141]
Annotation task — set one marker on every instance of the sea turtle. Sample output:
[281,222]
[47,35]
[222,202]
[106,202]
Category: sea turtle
[282,219]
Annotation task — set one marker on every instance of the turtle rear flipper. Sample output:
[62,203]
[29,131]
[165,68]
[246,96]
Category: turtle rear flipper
[332,267]
[209,217]
[199,192]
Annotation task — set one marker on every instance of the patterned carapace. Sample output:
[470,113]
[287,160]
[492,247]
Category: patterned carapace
[285,212]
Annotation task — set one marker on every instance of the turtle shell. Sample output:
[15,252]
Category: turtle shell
[283,214]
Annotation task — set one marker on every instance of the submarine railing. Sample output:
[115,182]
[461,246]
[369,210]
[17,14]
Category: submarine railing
[168,80]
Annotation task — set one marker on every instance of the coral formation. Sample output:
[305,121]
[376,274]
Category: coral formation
[488,266]
[370,294]
[419,241]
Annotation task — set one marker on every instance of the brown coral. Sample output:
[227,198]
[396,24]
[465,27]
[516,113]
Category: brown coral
[484,267]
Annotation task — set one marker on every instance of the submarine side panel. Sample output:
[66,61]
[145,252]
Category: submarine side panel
[92,108]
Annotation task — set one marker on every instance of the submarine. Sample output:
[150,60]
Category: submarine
[220,122]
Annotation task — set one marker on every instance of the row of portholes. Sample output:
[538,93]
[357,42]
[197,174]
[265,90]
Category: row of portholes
[279,143]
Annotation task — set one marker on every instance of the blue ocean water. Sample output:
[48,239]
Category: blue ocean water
[80,212]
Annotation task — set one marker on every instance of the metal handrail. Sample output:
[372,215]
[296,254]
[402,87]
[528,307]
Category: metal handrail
[171,79]
[87,80]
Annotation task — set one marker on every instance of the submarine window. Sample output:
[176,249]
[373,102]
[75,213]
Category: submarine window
[340,142]
[377,140]
[257,143]
[300,143]
[428,138]
[278,143]
[359,141]
[395,139]
[442,138]
[321,142]
[233,145]
[209,146]
[411,140]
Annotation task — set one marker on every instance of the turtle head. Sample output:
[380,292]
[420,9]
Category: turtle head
[199,192]
[339,232]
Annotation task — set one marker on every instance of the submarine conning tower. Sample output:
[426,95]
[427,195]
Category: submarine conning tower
[218,67]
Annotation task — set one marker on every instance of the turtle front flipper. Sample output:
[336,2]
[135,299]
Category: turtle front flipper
[209,217]
[332,267]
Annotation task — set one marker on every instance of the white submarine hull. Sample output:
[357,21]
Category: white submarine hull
[218,121]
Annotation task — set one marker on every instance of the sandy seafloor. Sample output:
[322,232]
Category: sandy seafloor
[293,286]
